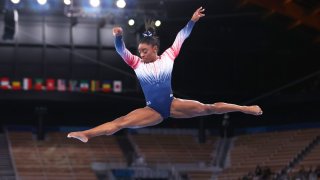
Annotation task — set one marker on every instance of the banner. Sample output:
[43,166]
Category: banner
[61,85]
[16,85]
[117,86]
[5,83]
[51,85]
[84,86]
[27,84]
[106,86]
[38,86]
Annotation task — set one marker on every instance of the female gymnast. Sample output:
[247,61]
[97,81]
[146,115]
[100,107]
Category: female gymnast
[154,74]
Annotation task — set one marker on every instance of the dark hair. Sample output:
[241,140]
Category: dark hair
[149,35]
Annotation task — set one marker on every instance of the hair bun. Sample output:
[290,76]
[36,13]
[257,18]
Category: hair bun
[150,29]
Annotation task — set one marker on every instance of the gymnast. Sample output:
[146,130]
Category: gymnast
[154,74]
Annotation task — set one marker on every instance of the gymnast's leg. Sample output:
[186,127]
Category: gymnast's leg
[181,108]
[136,119]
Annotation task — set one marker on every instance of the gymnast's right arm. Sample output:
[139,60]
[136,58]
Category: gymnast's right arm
[126,55]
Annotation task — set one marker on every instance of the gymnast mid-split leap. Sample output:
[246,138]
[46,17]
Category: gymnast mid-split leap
[154,74]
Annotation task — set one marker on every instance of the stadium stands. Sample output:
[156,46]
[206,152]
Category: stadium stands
[273,150]
[174,149]
[60,158]
[57,157]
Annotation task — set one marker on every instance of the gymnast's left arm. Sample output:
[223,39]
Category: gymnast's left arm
[184,33]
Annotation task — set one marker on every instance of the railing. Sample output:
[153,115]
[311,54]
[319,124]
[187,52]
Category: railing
[7,171]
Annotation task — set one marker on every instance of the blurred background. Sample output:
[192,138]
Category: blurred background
[59,72]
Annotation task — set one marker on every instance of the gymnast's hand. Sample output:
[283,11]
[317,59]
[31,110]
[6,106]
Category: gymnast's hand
[117,31]
[197,14]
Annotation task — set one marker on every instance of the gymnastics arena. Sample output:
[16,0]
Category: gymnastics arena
[88,93]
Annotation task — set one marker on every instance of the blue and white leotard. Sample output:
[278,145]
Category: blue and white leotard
[155,77]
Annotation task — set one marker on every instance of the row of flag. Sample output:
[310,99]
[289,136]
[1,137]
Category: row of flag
[51,84]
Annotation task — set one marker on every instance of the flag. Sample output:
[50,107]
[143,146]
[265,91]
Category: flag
[106,86]
[95,85]
[38,86]
[117,86]
[51,84]
[5,83]
[16,85]
[73,85]
[27,84]
[61,85]
[84,86]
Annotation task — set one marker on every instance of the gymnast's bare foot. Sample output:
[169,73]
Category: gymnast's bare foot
[254,110]
[78,135]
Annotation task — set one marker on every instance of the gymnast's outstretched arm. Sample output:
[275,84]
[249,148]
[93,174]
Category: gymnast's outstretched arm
[183,34]
[127,56]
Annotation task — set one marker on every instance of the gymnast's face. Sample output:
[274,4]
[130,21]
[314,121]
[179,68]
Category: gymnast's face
[148,52]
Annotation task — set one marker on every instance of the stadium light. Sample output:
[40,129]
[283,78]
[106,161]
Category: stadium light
[15,1]
[42,2]
[67,2]
[131,22]
[95,3]
[121,3]
[157,23]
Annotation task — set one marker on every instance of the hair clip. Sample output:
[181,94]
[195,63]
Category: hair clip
[147,34]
